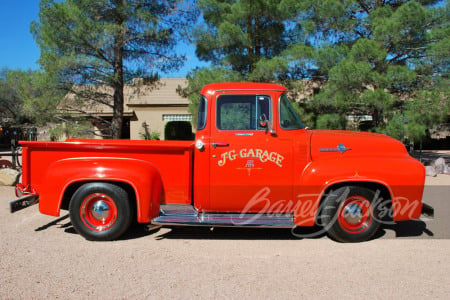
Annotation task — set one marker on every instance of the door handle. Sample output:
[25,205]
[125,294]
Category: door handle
[215,145]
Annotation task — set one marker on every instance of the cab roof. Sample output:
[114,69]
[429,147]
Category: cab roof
[241,86]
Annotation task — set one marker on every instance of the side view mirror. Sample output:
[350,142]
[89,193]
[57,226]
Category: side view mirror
[263,121]
[267,124]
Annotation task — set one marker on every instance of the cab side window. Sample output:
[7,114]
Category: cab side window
[201,120]
[242,112]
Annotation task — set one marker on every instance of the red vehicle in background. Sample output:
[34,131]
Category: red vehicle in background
[253,163]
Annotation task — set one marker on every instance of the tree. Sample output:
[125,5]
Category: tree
[235,37]
[378,60]
[101,43]
[28,96]
[426,109]
[38,93]
[371,57]
[238,34]
[10,102]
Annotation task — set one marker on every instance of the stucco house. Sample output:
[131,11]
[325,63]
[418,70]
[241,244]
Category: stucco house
[146,106]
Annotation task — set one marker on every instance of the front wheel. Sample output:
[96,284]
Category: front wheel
[350,215]
[100,211]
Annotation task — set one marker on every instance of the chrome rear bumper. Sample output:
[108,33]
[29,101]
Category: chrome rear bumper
[23,202]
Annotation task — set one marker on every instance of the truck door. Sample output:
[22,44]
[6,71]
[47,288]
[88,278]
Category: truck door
[251,169]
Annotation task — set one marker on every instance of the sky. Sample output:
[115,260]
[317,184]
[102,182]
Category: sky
[18,49]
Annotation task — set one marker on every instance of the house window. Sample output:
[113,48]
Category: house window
[180,117]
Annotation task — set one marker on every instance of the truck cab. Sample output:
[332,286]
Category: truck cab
[248,139]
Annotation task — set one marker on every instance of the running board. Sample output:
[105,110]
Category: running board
[186,215]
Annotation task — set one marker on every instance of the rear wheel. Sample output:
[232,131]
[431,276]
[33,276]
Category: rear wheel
[100,211]
[349,214]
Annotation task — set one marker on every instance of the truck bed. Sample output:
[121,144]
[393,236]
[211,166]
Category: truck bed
[173,159]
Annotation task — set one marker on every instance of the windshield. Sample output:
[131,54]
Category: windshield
[288,117]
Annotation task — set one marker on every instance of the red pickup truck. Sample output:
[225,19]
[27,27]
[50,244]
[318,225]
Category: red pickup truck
[253,163]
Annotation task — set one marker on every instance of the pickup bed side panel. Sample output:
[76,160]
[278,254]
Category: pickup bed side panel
[142,176]
[398,174]
[158,171]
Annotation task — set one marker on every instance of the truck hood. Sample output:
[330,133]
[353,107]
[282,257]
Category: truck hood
[334,143]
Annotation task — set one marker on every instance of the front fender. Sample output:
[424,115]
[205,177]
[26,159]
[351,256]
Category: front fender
[404,177]
[142,176]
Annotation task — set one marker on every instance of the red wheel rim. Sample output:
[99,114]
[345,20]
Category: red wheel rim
[355,214]
[98,212]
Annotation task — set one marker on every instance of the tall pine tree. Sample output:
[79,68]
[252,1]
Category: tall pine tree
[370,56]
[237,34]
[234,37]
[109,42]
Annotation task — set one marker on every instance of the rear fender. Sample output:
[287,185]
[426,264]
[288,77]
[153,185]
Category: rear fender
[142,176]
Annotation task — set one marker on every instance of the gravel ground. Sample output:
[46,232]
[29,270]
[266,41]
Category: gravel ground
[42,257]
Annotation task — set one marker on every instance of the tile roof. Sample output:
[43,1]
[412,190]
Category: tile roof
[162,93]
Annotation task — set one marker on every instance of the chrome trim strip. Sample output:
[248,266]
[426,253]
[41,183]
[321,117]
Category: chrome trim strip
[340,148]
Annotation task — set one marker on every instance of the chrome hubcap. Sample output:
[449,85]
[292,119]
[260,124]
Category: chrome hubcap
[100,210]
[353,214]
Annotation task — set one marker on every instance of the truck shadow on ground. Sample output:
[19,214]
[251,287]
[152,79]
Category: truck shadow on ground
[235,233]
[412,228]
[135,231]
[408,229]
[55,223]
